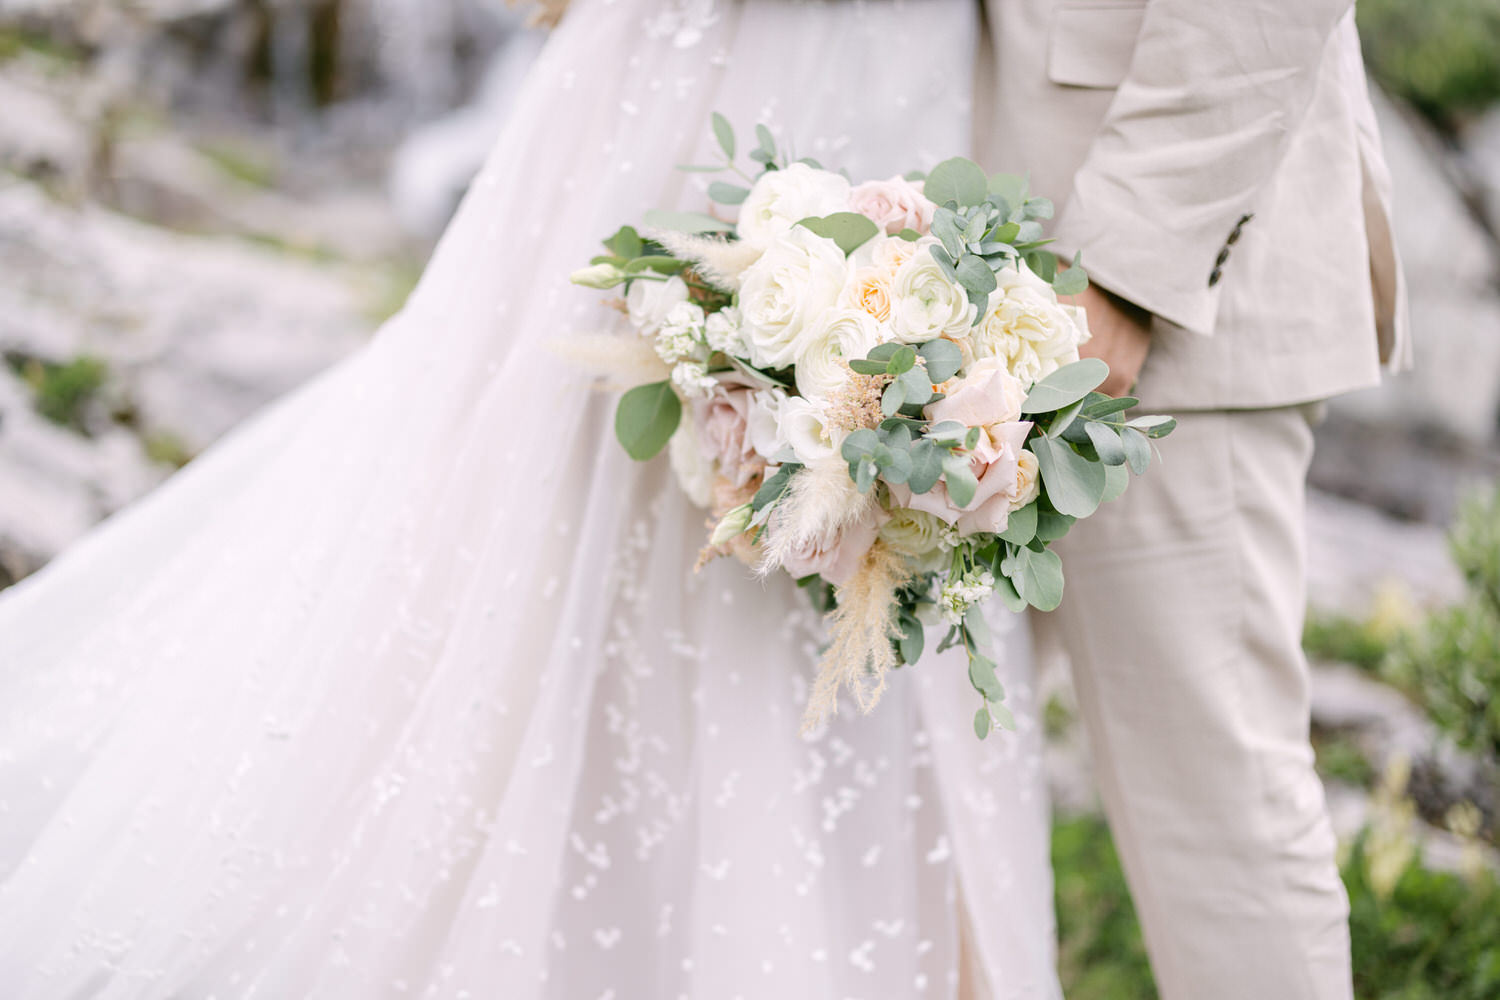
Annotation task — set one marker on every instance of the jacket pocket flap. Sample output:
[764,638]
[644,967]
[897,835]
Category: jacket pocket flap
[1091,44]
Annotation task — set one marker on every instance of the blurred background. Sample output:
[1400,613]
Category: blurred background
[204,202]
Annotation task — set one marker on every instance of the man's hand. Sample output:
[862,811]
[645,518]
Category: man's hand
[1121,336]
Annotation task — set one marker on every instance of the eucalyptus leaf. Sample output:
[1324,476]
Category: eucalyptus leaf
[1064,419]
[1072,281]
[884,352]
[926,466]
[1050,525]
[1005,232]
[945,228]
[1106,441]
[727,194]
[1137,449]
[1066,386]
[893,398]
[1009,596]
[724,132]
[957,180]
[864,367]
[975,275]
[943,358]
[626,242]
[1043,580]
[960,479]
[849,230]
[685,222]
[1106,406]
[909,235]
[1043,263]
[1116,479]
[646,418]
[772,489]
[1154,425]
[1020,527]
[982,722]
[945,262]
[766,140]
[982,676]
[859,444]
[895,465]
[1039,208]
[864,475]
[1075,486]
[1009,187]
[1003,718]
[902,361]
[912,639]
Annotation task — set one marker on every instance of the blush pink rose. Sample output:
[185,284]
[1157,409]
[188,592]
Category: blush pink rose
[988,397]
[893,205]
[1006,481]
[836,555]
[722,421]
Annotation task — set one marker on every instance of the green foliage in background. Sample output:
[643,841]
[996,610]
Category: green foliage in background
[64,393]
[1451,665]
[1443,55]
[1426,936]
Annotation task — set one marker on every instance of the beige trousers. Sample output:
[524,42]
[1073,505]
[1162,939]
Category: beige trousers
[1183,619]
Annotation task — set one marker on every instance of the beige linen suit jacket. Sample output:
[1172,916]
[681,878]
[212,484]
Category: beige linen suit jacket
[1217,163]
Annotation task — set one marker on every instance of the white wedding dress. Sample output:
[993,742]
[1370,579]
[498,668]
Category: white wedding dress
[407,689]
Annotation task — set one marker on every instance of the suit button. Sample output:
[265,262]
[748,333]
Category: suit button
[1214,276]
[1223,256]
[1234,237]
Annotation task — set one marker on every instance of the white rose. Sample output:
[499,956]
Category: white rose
[764,423]
[695,473]
[927,303]
[893,205]
[806,428]
[649,301]
[782,198]
[798,278]
[1027,328]
[838,337]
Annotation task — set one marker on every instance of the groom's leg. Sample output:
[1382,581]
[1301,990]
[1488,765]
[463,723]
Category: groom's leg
[1183,620]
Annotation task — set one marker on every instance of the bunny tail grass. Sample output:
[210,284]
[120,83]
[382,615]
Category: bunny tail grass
[821,500]
[719,262]
[860,628]
[624,361]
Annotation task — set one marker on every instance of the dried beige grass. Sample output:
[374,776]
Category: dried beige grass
[622,360]
[861,628]
[719,262]
[822,500]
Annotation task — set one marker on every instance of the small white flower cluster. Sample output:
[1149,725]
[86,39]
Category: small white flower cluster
[681,334]
[961,593]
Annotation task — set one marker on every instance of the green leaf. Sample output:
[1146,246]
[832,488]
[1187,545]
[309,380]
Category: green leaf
[974,228]
[646,419]
[1042,578]
[1039,208]
[626,242]
[912,639]
[1050,525]
[975,275]
[1072,281]
[893,398]
[864,367]
[894,464]
[1108,406]
[945,261]
[771,490]
[960,478]
[1064,419]
[1106,441]
[656,262]
[1116,478]
[884,352]
[957,180]
[945,228]
[1066,386]
[909,235]
[1003,718]
[902,361]
[1008,187]
[724,132]
[1074,485]
[917,384]
[849,230]
[1020,528]
[943,358]
[766,141]
[864,475]
[1004,233]
[727,194]
[949,432]
[926,466]
[982,676]
[1043,264]
[860,444]
[982,722]
[1005,589]
[1137,449]
[1154,425]
[685,222]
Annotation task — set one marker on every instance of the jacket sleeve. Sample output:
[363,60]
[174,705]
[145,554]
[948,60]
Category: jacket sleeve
[1214,93]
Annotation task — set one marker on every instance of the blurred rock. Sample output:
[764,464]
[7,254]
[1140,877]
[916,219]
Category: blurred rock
[39,140]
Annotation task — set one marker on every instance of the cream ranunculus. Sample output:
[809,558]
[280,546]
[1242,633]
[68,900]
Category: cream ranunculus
[797,279]
[839,336]
[1028,328]
[927,303]
[782,198]
[649,301]
[893,205]
[917,535]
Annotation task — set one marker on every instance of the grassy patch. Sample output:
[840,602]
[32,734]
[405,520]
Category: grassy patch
[1442,55]
[1340,758]
[1417,934]
[64,393]
[241,164]
[167,449]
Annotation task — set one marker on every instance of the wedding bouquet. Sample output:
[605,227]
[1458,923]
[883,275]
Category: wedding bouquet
[883,398]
